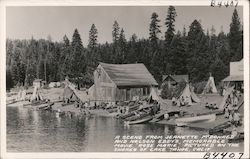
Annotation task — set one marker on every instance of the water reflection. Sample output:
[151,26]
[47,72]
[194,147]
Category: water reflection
[41,131]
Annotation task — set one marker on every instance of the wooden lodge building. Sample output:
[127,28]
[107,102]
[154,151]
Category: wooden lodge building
[235,77]
[122,82]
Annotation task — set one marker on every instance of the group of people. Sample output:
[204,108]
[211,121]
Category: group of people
[183,101]
[231,109]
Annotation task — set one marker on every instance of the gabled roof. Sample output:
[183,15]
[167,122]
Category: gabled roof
[129,74]
[176,78]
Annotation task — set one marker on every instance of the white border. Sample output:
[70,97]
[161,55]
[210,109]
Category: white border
[5,3]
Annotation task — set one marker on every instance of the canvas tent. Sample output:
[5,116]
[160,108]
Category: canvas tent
[189,95]
[36,96]
[210,86]
[23,95]
[153,94]
[52,84]
[70,93]
[228,92]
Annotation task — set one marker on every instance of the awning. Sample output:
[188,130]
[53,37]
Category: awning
[233,78]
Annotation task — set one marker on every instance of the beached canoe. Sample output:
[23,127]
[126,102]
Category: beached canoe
[238,138]
[194,119]
[158,117]
[140,120]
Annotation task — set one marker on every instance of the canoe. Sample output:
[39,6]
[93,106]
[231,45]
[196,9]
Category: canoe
[194,119]
[219,129]
[124,116]
[236,139]
[135,117]
[139,121]
[112,110]
[158,117]
[47,107]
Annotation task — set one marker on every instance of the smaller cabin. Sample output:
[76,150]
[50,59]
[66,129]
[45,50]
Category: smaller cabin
[173,80]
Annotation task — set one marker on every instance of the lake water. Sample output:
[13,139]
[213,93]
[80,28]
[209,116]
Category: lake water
[42,131]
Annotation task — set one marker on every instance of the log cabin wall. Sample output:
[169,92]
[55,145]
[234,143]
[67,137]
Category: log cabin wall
[105,89]
[126,94]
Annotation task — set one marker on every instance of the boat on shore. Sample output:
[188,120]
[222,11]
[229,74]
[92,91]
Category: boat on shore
[194,119]
[158,117]
[238,138]
[139,120]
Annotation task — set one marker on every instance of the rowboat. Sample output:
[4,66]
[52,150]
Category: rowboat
[139,121]
[194,119]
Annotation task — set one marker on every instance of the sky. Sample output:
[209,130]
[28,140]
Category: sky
[56,21]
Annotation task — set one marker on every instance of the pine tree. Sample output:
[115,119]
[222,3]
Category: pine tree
[154,30]
[132,50]
[115,32]
[178,55]
[93,37]
[198,60]
[235,37]
[92,52]
[155,53]
[169,34]
[121,51]
[65,58]
[78,61]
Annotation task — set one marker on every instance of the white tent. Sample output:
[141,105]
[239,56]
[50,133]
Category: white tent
[189,96]
[52,84]
[228,92]
[210,86]
[23,95]
[36,96]
[153,94]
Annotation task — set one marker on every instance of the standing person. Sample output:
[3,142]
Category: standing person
[174,101]
[235,101]
[223,91]
[236,118]
[234,133]
[182,101]
[230,107]
[226,112]
[231,117]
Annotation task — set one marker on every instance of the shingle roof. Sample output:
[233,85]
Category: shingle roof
[129,74]
[233,78]
[177,78]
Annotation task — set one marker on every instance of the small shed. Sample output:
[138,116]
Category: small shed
[122,82]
